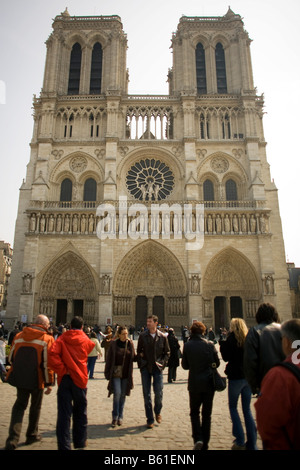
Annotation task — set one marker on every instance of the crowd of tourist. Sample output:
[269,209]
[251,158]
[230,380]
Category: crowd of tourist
[261,362]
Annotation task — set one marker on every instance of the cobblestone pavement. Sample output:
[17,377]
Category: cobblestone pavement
[173,434]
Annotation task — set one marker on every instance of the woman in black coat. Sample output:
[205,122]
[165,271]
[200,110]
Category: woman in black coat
[120,353]
[198,355]
[173,361]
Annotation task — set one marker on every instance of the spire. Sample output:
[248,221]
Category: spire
[65,14]
[230,14]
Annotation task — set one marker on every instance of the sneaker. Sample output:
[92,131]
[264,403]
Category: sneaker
[120,422]
[198,445]
[114,423]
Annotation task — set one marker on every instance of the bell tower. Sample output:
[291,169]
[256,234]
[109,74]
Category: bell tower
[86,56]
[94,145]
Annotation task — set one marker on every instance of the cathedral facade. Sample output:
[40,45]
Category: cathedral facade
[114,180]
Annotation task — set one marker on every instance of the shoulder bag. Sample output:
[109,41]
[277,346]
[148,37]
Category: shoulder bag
[118,370]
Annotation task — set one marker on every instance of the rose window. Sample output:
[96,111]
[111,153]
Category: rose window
[150,180]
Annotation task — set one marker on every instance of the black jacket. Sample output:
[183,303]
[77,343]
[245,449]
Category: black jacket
[262,351]
[198,355]
[153,351]
[233,355]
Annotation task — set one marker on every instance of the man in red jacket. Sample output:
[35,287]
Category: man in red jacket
[68,359]
[278,405]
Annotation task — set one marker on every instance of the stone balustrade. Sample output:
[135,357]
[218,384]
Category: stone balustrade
[80,217]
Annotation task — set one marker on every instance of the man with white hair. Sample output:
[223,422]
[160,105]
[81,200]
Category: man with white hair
[30,374]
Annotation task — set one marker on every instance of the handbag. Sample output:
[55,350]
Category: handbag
[117,373]
[219,383]
[118,370]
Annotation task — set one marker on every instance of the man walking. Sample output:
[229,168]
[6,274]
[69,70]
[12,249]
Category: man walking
[68,358]
[153,353]
[30,374]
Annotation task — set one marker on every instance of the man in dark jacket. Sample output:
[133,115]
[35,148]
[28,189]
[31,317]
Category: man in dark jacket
[198,355]
[153,352]
[262,349]
[29,373]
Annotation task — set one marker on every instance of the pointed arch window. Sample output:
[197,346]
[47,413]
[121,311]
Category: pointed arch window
[74,71]
[96,69]
[221,69]
[66,190]
[90,190]
[200,70]
[231,190]
[208,190]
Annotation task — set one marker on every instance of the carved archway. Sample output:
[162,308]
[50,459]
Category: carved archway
[68,278]
[150,270]
[230,275]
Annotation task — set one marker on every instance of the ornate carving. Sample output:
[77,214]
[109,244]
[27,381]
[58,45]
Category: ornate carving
[105,284]
[195,284]
[57,154]
[150,179]
[27,284]
[231,271]
[268,282]
[78,164]
[68,275]
[219,164]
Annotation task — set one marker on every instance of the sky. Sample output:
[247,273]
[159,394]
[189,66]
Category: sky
[272,25]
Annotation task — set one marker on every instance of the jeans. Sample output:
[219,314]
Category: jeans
[236,388]
[201,431]
[119,396]
[172,373]
[91,365]
[18,411]
[157,376]
[71,402]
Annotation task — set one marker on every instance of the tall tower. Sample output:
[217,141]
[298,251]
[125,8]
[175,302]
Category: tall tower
[94,145]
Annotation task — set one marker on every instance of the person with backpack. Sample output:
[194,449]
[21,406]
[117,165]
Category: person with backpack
[32,376]
[278,404]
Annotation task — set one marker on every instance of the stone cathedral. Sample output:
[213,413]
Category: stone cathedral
[94,145]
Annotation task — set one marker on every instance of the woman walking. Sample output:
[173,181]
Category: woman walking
[119,372]
[94,354]
[175,353]
[107,338]
[232,351]
[198,355]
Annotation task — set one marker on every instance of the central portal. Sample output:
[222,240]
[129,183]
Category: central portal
[150,280]
[145,306]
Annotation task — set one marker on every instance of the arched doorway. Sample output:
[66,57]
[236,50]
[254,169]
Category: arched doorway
[67,289]
[150,279]
[230,289]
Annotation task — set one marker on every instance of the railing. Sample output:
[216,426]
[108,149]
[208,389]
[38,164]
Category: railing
[83,205]
[80,217]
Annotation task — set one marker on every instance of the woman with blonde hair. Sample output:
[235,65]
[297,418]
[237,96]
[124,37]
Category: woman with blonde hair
[232,351]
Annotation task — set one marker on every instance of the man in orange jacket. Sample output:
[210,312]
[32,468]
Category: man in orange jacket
[68,358]
[30,374]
